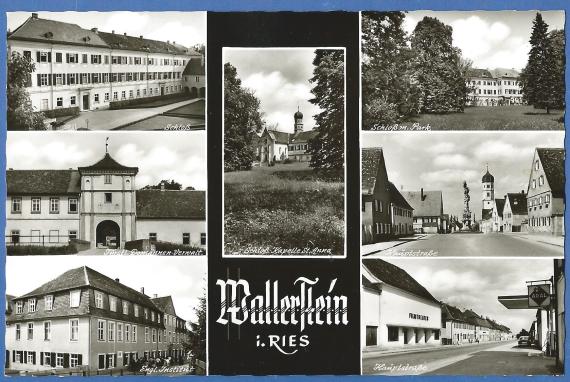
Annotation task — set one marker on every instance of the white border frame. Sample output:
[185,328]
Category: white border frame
[344,256]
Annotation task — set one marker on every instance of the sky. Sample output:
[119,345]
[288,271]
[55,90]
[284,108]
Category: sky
[476,283]
[280,80]
[491,39]
[443,160]
[180,156]
[182,277]
[186,28]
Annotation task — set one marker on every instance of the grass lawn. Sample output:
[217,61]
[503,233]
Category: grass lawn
[494,118]
[282,210]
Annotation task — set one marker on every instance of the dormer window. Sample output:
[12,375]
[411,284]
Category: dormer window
[99,300]
[20,307]
[48,302]
[31,305]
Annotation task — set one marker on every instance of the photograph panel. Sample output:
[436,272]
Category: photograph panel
[462,316]
[284,152]
[106,70]
[463,194]
[88,316]
[104,194]
[463,70]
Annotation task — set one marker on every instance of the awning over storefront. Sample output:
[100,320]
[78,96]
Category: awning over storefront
[515,302]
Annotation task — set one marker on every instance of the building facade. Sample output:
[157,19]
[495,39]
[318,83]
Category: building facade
[488,200]
[98,204]
[385,212]
[497,215]
[515,214]
[89,69]
[85,321]
[428,211]
[397,312]
[545,195]
[496,87]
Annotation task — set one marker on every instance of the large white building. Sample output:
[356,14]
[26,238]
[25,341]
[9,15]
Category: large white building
[397,311]
[89,69]
[99,204]
[494,87]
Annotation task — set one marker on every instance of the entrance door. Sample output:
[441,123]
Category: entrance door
[406,340]
[108,234]
[86,102]
[162,90]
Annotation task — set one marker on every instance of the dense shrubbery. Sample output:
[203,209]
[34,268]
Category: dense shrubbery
[61,112]
[147,101]
[36,250]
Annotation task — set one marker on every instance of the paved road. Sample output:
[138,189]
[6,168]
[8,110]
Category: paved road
[112,119]
[480,359]
[460,244]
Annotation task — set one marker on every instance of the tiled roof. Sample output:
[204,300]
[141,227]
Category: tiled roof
[397,198]
[479,73]
[517,201]
[170,204]
[108,164]
[372,160]
[552,160]
[195,67]
[164,304]
[304,136]
[370,285]
[430,205]
[452,313]
[42,182]
[85,276]
[505,73]
[50,31]
[397,277]
[500,206]
[279,136]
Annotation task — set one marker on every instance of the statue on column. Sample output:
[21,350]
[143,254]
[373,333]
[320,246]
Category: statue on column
[466,211]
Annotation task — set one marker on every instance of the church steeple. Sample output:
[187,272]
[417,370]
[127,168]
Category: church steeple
[488,192]
[298,117]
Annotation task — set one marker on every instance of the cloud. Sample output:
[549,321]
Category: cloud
[495,150]
[451,160]
[441,147]
[448,177]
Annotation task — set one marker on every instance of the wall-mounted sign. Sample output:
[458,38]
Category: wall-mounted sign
[538,295]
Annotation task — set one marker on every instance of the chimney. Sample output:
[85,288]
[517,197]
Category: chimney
[117,280]
[34,15]
[155,296]
[162,186]
[141,37]
[95,30]
[124,34]
[142,290]
[113,31]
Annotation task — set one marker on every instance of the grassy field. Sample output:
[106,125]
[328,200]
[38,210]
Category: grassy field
[284,209]
[494,118]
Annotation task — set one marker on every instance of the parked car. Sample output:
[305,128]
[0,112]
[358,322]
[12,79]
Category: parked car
[524,340]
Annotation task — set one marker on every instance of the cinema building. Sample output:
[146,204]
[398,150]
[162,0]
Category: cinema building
[85,321]
[99,206]
[88,69]
[397,312]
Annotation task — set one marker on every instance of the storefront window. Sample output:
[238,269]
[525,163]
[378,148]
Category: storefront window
[371,336]
[393,333]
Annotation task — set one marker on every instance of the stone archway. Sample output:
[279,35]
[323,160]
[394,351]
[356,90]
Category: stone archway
[108,234]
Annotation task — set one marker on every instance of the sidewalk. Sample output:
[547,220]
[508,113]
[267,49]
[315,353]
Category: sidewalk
[112,119]
[370,249]
[538,238]
[371,353]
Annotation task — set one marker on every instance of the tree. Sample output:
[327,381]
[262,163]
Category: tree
[242,119]
[198,329]
[438,68]
[200,48]
[542,79]
[20,113]
[389,93]
[327,147]
[168,185]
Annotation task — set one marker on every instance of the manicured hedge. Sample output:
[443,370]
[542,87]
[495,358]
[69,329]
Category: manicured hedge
[141,102]
[62,112]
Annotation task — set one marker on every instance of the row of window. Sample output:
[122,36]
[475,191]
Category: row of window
[304,147]
[538,201]
[73,330]
[32,302]
[543,221]
[61,79]
[495,83]
[111,331]
[112,360]
[131,95]
[494,91]
[74,58]
[60,360]
[540,181]
[36,205]
[394,335]
[462,325]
